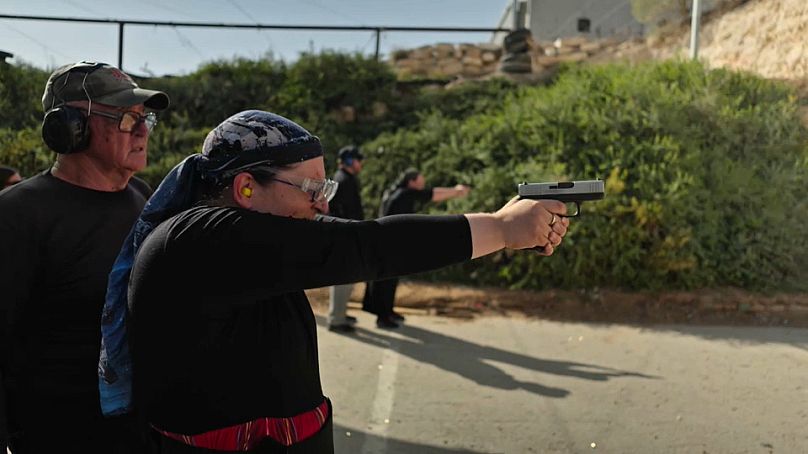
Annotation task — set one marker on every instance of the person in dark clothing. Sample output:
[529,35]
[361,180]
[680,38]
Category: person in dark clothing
[60,231]
[347,204]
[403,197]
[9,176]
[223,339]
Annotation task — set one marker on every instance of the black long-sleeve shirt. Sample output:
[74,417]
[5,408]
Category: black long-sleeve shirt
[347,202]
[404,200]
[57,245]
[222,332]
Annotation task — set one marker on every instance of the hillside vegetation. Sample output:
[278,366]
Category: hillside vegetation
[704,169]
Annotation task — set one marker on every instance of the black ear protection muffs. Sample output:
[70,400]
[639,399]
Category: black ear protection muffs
[64,128]
[347,161]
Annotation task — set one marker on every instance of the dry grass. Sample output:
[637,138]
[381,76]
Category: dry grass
[714,306]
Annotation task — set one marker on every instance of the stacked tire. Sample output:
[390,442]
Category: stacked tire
[516,58]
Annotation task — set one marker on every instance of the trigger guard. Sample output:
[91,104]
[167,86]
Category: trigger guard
[574,215]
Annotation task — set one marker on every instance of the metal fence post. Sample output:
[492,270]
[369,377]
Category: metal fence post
[695,22]
[120,46]
[378,42]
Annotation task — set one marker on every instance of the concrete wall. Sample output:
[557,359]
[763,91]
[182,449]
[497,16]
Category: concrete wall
[551,19]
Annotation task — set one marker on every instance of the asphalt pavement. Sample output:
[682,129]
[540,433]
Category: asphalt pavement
[515,385]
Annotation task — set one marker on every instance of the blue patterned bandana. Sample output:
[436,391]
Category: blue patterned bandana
[256,137]
[244,140]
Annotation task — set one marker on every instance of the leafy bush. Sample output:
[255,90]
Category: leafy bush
[21,90]
[167,147]
[343,98]
[703,169]
[315,91]
[218,90]
[24,150]
[704,173]
[21,113]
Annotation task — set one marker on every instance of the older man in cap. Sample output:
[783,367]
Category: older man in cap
[59,234]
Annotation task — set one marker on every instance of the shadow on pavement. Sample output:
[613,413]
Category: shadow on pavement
[467,359]
[354,443]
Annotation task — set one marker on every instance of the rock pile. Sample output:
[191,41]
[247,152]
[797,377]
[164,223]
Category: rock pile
[521,55]
[441,60]
[517,58]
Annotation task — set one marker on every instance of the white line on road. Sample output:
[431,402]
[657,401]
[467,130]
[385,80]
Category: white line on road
[376,441]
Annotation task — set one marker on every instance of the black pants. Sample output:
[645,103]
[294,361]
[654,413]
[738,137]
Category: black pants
[380,297]
[321,443]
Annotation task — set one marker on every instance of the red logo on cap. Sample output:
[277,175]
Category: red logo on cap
[120,75]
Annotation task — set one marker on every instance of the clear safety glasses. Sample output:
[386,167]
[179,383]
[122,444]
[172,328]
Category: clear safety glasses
[319,190]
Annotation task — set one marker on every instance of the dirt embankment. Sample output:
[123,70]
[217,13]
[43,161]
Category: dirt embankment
[719,306]
[766,37]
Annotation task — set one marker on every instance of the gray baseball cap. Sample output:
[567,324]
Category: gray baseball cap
[101,83]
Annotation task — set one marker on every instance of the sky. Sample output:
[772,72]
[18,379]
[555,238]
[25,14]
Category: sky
[159,50]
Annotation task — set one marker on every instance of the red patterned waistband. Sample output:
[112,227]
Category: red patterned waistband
[246,436]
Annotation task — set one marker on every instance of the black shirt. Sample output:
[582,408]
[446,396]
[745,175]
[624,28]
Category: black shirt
[347,202]
[222,332]
[403,200]
[57,245]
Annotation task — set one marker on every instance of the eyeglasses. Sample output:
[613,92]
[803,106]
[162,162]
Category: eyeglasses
[319,190]
[128,121]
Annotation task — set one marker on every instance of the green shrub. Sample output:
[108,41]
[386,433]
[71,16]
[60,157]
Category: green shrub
[343,98]
[337,97]
[218,90]
[24,150]
[704,169]
[167,147]
[21,90]
[315,91]
[704,173]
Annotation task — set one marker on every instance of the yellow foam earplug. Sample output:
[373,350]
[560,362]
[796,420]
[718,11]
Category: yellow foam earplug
[246,191]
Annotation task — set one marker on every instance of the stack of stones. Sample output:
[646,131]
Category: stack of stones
[517,58]
[518,54]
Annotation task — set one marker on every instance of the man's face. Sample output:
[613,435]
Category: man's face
[356,165]
[282,199]
[118,150]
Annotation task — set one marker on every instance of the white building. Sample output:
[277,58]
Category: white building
[551,19]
